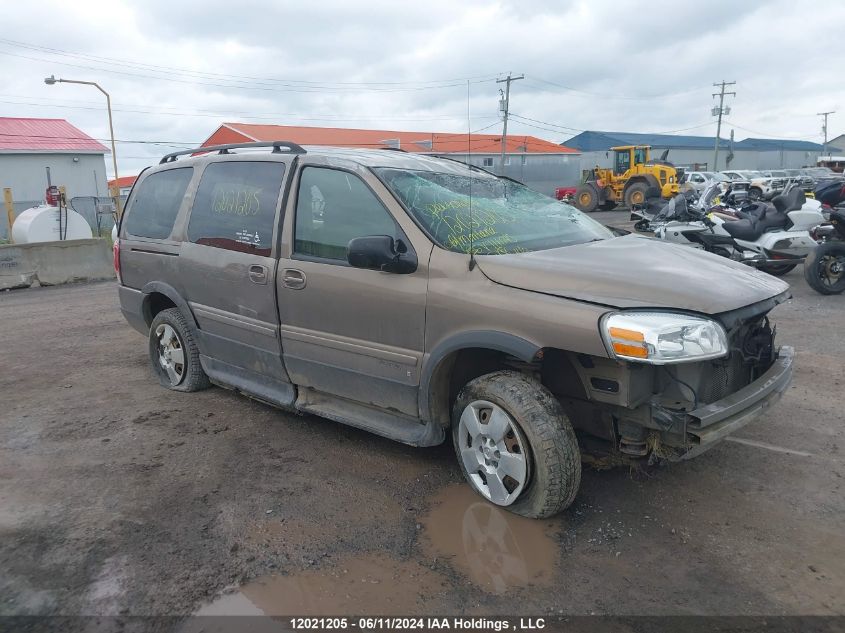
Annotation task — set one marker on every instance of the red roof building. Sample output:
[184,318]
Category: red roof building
[49,136]
[417,142]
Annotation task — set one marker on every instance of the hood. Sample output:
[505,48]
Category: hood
[635,272]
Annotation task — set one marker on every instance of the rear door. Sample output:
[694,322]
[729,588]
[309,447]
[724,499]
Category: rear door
[228,267]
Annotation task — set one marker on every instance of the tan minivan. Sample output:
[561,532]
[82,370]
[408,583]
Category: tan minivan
[418,297]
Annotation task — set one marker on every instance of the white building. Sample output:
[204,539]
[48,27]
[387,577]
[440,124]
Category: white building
[29,146]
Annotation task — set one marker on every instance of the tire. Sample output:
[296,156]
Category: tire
[172,339]
[778,270]
[538,431]
[635,194]
[755,193]
[586,198]
[824,268]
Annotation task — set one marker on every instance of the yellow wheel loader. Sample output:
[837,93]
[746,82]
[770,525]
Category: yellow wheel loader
[634,178]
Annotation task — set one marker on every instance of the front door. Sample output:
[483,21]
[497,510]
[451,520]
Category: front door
[228,268]
[349,332]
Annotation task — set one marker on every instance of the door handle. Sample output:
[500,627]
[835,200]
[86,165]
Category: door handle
[258,274]
[293,278]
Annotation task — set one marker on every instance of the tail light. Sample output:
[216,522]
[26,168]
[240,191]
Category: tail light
[116,251]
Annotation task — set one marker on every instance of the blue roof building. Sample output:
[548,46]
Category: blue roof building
[696,152]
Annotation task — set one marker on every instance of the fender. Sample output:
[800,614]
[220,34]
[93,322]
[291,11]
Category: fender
[515,346]
[171,293]
[648,179]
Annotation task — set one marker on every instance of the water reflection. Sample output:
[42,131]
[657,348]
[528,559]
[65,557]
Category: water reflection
[495,549]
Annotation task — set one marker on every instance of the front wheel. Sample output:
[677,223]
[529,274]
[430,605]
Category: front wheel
[824,268]
[515,445]
[586,198]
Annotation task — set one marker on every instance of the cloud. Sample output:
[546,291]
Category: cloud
[175,70]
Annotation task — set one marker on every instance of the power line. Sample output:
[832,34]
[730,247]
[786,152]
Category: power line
[612,95]
[246,115]
[204,74]
[243,85]
[571,129]
[764,134]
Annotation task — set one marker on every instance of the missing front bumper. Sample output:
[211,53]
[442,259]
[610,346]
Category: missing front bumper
[712,422]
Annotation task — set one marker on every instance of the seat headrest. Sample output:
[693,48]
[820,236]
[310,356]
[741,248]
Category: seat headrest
[780,203]
[795,199]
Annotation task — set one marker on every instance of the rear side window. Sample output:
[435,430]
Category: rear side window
[156,203]
[235,206]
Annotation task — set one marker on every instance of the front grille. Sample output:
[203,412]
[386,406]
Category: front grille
[724,378]
[752,353]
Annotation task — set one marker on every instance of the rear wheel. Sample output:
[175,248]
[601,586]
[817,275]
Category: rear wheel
[515,444]
[824,268]
[174,354]
[778,270]
[755,193]
[635,194]
[586,198]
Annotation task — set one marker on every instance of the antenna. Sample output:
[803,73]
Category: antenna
[469,151]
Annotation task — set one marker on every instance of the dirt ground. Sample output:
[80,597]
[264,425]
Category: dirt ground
[120,497]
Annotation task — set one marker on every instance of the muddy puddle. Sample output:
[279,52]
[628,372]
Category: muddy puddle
[495,549]
[462,538]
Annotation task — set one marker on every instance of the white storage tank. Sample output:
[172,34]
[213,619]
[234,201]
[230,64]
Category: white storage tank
[41,224]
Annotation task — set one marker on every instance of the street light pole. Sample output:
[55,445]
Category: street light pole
[51,80]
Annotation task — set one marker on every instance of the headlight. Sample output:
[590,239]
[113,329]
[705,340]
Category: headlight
[660,338]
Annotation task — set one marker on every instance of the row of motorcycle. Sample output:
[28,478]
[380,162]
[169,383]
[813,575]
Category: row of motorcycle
[774,236]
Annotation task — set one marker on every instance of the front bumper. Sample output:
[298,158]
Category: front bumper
[712,422]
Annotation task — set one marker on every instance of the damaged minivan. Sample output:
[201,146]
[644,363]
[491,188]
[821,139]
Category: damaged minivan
[420,298]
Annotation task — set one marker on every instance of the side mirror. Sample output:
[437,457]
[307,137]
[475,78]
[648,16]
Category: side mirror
[381,252]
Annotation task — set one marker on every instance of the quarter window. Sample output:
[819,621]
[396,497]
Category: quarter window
[156,203]
[333,208]
[235,206]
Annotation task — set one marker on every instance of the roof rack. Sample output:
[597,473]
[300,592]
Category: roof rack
[277,146]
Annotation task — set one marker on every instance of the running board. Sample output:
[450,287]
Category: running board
[252,384]
[395,426]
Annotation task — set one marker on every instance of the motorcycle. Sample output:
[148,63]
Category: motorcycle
[824,268]
[774,237]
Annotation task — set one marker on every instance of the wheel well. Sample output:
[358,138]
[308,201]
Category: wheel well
[553,369]
[154,303]
[635,180]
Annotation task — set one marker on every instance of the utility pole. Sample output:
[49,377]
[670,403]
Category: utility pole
[720,111]
[504,104]
[824,129]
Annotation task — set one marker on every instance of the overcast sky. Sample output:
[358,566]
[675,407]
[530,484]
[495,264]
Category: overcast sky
[177,69]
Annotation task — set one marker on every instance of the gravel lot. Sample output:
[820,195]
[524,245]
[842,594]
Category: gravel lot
[118,496]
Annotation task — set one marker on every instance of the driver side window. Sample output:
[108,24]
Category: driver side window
[623,162]
[334,207]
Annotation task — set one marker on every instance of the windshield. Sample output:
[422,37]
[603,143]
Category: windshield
[507,217]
